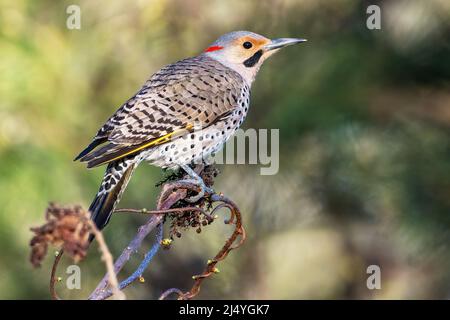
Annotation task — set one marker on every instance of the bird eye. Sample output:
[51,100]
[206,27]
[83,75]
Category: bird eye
[247,45]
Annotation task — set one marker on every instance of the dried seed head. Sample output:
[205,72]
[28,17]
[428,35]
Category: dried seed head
[66,227]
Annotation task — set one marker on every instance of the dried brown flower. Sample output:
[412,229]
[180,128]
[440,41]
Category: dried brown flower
[208,174]
[188,219]
[66,227]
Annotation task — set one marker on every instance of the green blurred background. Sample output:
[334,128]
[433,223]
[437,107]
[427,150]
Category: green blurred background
[364,119]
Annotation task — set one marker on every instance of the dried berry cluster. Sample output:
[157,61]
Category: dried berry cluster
[193,219]
[67,227]
[208,174]
[185,220]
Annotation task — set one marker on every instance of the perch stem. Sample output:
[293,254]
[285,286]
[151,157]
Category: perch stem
[53,279]
[170,198]
[235,217]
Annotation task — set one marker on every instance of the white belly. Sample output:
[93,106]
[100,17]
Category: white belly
[197,146]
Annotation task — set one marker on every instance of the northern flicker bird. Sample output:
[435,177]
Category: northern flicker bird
[197,101]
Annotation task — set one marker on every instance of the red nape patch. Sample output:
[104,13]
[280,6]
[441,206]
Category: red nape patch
[213,48]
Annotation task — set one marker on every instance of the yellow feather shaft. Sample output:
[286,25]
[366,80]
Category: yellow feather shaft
[160,140]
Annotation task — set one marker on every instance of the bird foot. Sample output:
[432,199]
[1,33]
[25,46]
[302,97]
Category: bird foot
[196,179]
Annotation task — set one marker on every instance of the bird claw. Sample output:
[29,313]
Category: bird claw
[196,179]
[204,190]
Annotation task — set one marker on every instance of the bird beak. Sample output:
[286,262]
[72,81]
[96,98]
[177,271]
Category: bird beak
[282,42]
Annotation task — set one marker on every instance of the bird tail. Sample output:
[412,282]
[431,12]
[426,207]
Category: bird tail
[114,182]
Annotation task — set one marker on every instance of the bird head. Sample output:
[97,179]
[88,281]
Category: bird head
[245,51]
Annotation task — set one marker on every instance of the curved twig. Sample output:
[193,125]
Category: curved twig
[53,279]
[222,254]
[170,291]
[235,217]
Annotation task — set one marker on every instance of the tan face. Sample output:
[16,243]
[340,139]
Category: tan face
[245,51]
[241,49]
[247,47]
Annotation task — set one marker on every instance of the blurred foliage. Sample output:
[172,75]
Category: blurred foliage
[364,120]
